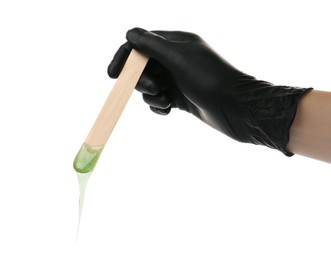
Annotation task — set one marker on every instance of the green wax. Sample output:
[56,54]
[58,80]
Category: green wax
[84,163]
[82,180]
[87,158]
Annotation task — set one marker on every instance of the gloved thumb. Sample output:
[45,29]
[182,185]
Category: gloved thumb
[148,43]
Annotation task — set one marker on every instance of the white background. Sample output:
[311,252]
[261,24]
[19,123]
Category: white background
[165,187]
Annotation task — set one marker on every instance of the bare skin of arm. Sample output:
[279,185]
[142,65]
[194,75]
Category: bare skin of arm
[310,133]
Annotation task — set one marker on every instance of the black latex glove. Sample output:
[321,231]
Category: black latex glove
[184,72]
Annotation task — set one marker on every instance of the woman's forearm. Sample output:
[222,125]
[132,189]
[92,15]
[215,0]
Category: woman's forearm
[310,133]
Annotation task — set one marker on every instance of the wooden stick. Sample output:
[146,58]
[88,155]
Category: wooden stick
[117,99]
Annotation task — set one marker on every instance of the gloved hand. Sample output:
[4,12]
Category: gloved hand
[184,72]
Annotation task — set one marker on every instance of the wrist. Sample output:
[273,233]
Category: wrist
[268,112]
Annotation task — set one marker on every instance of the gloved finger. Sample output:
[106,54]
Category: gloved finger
[153,67]
[160,101]
[149,43]
[177,35]
[148,85]
[116,65]
[161,111]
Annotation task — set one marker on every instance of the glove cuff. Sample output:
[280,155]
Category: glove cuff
[269,115]
[298,94]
